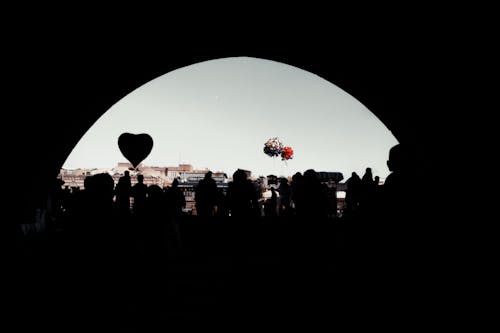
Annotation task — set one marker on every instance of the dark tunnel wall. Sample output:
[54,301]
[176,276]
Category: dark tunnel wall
[58,83]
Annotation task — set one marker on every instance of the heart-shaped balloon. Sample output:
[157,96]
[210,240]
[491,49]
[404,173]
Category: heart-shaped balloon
[135,147]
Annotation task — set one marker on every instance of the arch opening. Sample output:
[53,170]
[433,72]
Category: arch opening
[218,113]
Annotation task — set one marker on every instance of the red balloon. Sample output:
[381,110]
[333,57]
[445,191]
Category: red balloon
[287,153]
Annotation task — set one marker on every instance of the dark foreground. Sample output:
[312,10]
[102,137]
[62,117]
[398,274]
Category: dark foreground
[282,272]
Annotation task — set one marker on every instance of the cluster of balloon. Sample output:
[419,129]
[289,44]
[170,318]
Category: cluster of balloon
[274,147]
[135,147]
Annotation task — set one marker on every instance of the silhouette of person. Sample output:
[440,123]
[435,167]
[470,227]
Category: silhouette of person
[295,191]
[155,218]
[123,191]
[206,195]
[376,192]
[367,178]
[221,203]
[314,196]
[399,191]
[139,192]
[159,239]
[175,200]
[96,245]
[353,192]
[284,198]
[241,196]
[367,194]
[272,204]
[331,189]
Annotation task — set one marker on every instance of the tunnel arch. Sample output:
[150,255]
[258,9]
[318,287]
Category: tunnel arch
[76,95]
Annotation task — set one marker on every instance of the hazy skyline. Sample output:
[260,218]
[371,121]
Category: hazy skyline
[218,114]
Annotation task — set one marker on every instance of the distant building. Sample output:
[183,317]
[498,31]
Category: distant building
[197,175]
[325,176]
[172,173]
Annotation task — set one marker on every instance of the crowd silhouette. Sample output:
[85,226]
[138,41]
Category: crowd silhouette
[133,245]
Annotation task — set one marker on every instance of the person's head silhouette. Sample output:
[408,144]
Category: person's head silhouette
[311,175]
[239,176]
[398,159]
[140,178]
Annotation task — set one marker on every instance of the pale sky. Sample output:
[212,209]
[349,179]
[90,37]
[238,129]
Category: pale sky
[218,114]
